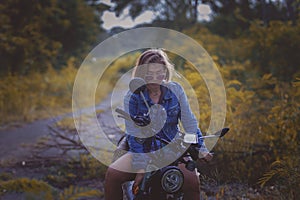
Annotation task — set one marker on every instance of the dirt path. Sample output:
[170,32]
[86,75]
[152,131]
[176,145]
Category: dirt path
[13,139]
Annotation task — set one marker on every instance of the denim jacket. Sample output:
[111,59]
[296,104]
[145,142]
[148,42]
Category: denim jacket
[176,106]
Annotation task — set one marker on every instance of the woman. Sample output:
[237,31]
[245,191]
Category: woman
[154,67]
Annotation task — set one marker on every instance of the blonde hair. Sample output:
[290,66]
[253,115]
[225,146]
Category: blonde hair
[152,56]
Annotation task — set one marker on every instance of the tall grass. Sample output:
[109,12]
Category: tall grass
[42,95]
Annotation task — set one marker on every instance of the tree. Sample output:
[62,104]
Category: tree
[169,13]
[233,17]
[37,34]
[274,49]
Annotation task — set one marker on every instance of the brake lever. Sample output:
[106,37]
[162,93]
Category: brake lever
[124,117]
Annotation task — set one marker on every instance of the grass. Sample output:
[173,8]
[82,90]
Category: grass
[54,179]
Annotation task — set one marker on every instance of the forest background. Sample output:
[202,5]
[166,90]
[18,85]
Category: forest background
[255,45]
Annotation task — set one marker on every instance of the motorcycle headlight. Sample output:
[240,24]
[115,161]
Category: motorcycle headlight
[172,180]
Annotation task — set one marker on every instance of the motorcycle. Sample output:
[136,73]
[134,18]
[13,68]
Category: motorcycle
[162,182]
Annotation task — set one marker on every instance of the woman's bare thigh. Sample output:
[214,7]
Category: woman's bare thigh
[124,163]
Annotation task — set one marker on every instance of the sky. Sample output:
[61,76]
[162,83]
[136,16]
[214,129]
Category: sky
[125,21]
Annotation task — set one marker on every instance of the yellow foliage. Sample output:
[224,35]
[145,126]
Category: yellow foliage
[263,115]
[44,191]
[26,98]
[74,193]
[26,185]
[285,171]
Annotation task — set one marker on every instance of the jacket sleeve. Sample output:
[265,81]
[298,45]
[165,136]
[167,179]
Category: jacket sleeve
[188,119]
[136,147]
[130,106]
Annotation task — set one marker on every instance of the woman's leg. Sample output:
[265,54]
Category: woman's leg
[117,173]
[191,186]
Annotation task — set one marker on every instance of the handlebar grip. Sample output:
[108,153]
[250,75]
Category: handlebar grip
[194,151]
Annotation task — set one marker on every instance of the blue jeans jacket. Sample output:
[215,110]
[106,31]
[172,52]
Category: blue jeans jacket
[176,107]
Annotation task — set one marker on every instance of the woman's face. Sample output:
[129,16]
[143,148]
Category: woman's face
[156,73]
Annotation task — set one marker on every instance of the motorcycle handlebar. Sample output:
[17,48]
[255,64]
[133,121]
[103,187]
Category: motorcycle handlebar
[192,149]
[221,133]
[123,114]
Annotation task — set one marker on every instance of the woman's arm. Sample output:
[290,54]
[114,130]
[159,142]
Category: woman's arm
[136,146]
[188,119]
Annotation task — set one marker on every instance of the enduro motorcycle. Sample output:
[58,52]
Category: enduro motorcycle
[166,182]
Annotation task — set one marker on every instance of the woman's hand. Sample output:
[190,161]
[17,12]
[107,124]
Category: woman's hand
[207,157]
[138,179]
